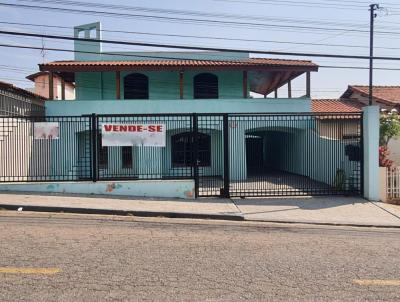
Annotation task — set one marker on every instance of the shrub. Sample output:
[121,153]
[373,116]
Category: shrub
[389,127]
[384,160]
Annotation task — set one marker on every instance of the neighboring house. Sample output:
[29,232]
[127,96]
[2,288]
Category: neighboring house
[17,107]
[387,97]
[349,127]
[17,101]
[329,127]
[62,90]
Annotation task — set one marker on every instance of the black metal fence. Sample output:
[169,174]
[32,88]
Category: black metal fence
[229,155]
[48,156]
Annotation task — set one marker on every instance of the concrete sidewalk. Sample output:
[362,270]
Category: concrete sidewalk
[334,210]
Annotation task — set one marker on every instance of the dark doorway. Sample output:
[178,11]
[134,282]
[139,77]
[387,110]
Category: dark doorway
[254,155]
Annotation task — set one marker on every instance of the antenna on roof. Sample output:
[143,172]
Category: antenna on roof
[43,51]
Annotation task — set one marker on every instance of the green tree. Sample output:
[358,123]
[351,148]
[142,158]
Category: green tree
[389,127]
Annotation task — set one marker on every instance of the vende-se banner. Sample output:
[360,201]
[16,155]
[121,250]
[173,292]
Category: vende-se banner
[150,135]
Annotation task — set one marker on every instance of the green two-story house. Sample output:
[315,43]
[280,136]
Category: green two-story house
[147,86]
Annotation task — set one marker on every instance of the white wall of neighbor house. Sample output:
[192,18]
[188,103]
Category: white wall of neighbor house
[21,157]
[394,148]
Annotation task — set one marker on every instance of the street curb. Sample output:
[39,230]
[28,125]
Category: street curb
[69,210]
[122,212]
[327,223]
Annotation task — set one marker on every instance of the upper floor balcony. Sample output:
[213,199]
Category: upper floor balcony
[170,79]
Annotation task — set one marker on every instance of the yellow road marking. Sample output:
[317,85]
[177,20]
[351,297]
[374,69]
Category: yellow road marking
[29,270]
[378,282]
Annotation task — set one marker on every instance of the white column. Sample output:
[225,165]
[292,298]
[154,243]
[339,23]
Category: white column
[371,152]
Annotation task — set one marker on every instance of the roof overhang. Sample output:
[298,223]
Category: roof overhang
[266,81]
[180,65]
[266,75]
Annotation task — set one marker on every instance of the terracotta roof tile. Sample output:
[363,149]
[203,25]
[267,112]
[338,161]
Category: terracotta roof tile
[334,105]
[21,91]
[184,63]
[385,93]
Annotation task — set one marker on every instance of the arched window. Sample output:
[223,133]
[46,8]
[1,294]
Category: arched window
[182,149]
[205,86]
[136,86]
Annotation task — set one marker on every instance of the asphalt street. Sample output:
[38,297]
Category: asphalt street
[60,257]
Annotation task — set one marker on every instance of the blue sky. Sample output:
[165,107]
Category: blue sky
[15,64]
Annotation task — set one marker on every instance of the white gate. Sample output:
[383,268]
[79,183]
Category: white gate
[393,183]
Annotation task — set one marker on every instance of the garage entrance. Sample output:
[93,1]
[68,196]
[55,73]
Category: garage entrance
[289,155]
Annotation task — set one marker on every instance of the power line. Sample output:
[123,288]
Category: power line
[145,9]
[203,37]
[158,45]
[359,67]
[318,4]
[165,57]
[185,12]
[193,20]
[327,4]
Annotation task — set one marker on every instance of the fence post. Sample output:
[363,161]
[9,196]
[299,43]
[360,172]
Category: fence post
[93,139]
[226,157]
[196,154]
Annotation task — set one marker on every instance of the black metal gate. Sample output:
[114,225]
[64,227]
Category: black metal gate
[212,166]
[227,155]
[279,154]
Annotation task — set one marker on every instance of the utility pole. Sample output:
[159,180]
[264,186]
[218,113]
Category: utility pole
[373,15]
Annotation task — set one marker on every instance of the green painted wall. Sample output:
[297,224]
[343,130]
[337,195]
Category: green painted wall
[162,85]
[68,108]
[88,86]
[183,188]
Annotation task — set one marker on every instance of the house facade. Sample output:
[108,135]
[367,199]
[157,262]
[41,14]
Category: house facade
[214,131]
[174,82]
